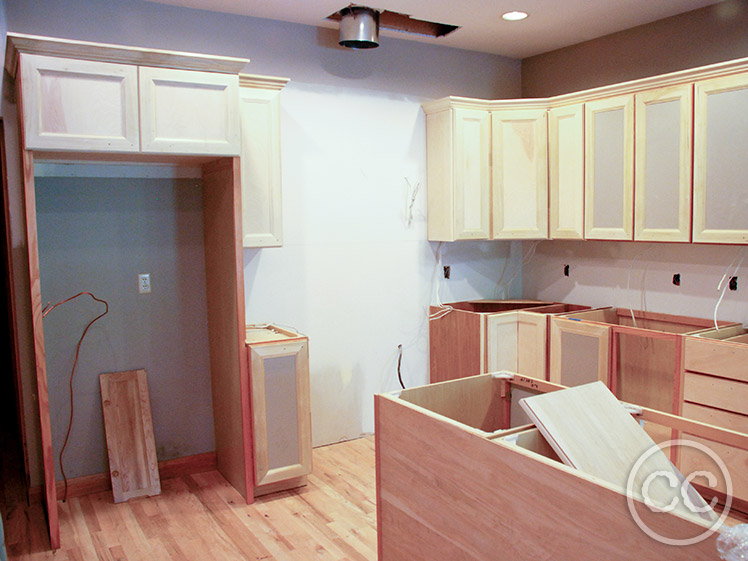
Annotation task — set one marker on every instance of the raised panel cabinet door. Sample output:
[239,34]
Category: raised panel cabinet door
[519,142]
[279,375]
[662,205]
[189,112]
[580,352]
[532,344]
[74,105]
[459,181]
[501,342]
[566,172]
[609,169]
[262,213]
[720,206]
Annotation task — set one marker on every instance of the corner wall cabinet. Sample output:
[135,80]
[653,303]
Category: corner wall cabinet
[259,109]
[278,362]
[459,175]
[79,102]
[619,158]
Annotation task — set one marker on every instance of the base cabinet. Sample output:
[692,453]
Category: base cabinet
[282,429]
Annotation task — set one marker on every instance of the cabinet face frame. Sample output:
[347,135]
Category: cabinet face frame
[165,94]
[601,333]
[519,157]
[51,122]
[703,91]
[623,229]
[262,211]
[258,354]
[682,232]
[566,172]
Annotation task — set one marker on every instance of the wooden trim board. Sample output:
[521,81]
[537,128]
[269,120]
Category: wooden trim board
[130,442]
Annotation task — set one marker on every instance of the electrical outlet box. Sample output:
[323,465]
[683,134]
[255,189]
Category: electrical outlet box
[144,283]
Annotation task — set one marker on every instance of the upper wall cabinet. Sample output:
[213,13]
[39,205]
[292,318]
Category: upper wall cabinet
[458,141]
[609,168]
[189,112]
[720,208]
[663,164]
[75,105]
[259,108]
[519,142]
[566,171]
[79,105]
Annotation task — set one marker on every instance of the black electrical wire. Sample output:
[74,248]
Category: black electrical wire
[399,362]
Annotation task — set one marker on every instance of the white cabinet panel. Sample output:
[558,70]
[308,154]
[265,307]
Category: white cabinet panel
[79,105]
[609,165]
[566,171]
[519,140]
[663,165]
[189,112]
[720,210]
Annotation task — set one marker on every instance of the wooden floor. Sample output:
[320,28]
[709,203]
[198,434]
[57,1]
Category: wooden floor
[201,517]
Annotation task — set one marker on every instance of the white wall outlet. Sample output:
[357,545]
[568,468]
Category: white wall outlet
[144,283]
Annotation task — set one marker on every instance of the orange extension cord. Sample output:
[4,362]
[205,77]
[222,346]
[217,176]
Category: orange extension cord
[45,311]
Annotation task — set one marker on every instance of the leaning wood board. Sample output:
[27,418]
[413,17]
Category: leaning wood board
[590,430]
[129,435]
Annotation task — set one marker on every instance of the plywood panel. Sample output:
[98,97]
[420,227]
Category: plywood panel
[455,345]
[590,431]
[443,493]
[131,447]
[716,392]
[720,358]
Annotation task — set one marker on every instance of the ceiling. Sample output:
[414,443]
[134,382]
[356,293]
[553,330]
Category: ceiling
[552,24]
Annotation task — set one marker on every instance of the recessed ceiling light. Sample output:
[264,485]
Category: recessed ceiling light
[514,16]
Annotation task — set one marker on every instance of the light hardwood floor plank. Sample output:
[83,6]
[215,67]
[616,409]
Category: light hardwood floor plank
[201,517]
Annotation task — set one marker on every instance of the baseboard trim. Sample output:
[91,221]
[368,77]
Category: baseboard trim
[101,482]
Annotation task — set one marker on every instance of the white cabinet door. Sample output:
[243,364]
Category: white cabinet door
[262,214]
[519,141]
[501,342]
[459,180]
[79,105]
[609,169]
[566,172]
[720,207]
[189,112]
[662,206]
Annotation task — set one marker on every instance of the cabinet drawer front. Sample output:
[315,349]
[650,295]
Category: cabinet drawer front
[706,356]
[189,112]
[736,461]
[716,392]
[79,105]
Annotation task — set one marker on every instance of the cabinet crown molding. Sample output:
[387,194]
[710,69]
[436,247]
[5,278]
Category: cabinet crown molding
[19,43]
[633,86]
[262,82]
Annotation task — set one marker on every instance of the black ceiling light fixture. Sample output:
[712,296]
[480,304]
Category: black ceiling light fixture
[359,26]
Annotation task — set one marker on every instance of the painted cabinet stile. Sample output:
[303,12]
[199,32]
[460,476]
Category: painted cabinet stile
[609,168]
[662,206]
[720,207]
[566,171]
[519,140]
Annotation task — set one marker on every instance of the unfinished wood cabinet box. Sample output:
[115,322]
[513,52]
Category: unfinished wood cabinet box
[259,109]
[715,391]
[637,354]
[80,96]
[278,363]
[459,476]
[487,335]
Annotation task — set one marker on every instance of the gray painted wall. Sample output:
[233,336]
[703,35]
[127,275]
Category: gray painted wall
[97,234]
